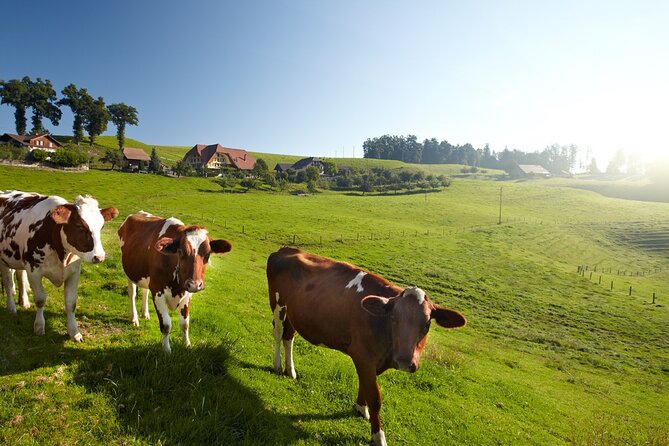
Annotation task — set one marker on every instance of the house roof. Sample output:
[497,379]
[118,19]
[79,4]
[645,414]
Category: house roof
[533,169]
[305,162]
[133,154]
[239,158]
[24,140]
[283,166]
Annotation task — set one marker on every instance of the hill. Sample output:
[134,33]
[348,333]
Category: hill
[550,355]
[172,154]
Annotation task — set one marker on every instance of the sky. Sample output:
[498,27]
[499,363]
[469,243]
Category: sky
[319,77]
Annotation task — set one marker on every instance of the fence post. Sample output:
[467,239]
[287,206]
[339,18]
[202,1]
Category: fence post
[612,285]
[293,239]
[653,296]
[630,290]
[590,275]
[600,279]
[242,229]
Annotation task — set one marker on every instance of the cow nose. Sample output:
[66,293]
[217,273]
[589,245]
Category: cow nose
[194,285]
[98,259]
[406,365]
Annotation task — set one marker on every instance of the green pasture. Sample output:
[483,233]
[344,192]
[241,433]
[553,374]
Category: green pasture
[550,356]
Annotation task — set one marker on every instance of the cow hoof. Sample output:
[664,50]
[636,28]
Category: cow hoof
[363,411]
[379,439]
[146,316]
[135,322]
[26,305]
[11,311]
[39,331]
[78,338]
[290,373]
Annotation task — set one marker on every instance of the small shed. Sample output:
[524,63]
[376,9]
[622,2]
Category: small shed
[134,159]
[532,171]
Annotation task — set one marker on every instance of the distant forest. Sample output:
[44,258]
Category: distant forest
[555,158]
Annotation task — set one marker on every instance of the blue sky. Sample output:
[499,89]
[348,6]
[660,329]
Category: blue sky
[315,77]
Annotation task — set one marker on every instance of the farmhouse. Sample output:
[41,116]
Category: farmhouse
[215,156]
[31,142]
[301,165]
[529,171]
[134,159]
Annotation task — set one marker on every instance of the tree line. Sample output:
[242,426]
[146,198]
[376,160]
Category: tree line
[366,180]
[90,114]
[556,158]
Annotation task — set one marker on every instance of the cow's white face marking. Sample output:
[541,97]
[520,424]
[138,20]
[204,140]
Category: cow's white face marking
[169,222]
[417,293]
[196,238]
[357,282]
[90,213]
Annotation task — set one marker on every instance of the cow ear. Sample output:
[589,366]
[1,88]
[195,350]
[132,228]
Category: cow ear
[61,214]
[167,246]
[448,318]
[376,305]
[109,213]
[220,246]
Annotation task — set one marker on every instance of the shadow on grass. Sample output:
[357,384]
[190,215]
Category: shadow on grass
[186,398]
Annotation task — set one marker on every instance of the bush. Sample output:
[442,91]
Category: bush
[37,156]
[68,158]
[10,152]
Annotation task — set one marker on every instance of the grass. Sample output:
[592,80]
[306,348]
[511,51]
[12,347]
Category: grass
[549,356]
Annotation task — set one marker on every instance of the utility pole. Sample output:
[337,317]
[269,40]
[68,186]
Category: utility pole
[499,222]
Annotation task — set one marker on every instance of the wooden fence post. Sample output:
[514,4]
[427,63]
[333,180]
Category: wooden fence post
[653,296]
[630,290]
[612,285]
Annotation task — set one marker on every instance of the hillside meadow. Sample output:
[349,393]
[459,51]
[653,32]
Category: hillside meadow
[549,356]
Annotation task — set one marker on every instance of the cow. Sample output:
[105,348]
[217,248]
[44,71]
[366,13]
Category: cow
[343,307]
[22,285]
[48,237]
[168,258]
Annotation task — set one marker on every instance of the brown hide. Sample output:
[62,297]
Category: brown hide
[378,324]
[146,253]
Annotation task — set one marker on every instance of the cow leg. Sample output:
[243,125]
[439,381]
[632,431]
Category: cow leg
[8,283]
[40,300]
[163,319]
[132,294]
[145,303]
[288,337]
[369,391]
[184,320]
[24,287]
[277,322]
[71,305]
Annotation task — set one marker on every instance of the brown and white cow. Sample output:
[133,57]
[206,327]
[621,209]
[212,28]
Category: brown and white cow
[338,305]
[169,259]
[48,237]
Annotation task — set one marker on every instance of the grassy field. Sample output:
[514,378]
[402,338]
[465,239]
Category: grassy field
[550,356]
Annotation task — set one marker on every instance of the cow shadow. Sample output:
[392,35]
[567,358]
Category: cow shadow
[189,397]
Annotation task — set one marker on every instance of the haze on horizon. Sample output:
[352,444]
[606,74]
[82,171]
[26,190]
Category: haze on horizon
[318,78]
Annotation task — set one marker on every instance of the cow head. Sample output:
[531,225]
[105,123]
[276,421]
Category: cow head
[80,225]
[192,247]
[410,314]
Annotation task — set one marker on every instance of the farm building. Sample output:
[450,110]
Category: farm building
[215,156]
[31,142]
[529,171]
[300,165]
[135,159]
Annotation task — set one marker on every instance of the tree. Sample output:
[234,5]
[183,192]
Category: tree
[592,168]
[312,173]
[154,164]
[42,100]
[78,100]
[616,163]
[330,168]
[96,118]
[260,168]
[112,157]
[15,93]
[122,114]
[182,168]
